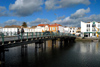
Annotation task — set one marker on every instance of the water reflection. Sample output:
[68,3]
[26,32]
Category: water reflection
[53,54]
[88,47]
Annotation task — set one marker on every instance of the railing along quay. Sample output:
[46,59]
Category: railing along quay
[14,37]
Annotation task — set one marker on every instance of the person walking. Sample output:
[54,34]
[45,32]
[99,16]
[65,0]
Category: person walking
[18,33]
[58,32]
[22,32]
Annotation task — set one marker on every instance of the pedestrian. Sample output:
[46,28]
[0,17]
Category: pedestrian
[22,32]
[58,32]
[18,33]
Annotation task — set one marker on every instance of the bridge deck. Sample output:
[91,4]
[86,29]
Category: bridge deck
[12,41]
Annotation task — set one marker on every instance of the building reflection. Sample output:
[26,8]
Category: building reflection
[88,47]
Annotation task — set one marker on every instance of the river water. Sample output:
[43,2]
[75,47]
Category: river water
[76,54]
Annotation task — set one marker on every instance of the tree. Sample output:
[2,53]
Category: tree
[24,24]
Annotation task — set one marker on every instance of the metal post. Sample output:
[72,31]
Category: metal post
[43,34]
[11,33]
[32,35]
[6,33]
[27,35]
[36,34]
[2,39]
[40,34]
[21,36]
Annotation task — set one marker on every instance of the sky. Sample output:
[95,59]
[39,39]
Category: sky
[34,12]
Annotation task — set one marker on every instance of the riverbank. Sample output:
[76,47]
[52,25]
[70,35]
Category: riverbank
[86,39]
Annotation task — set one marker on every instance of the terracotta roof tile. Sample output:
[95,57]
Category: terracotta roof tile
[13,26]
[55,24]
[33,26]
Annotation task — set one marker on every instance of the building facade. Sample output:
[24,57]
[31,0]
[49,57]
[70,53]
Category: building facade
[89,29]
[71,30]
[1,29]
[12,30]
[48,27]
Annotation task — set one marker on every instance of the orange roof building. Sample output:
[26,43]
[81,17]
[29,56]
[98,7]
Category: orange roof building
[52,27]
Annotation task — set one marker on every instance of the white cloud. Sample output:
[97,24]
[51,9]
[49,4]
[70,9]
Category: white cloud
[25,7]
[38,21]
[12,22]
[66,22]
[61,17]
[76,22]
[80,13]
[3,11]
[55,4]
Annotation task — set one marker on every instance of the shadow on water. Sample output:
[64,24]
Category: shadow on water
[27,55]
[52,54]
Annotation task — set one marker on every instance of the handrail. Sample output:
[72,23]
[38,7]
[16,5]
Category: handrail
[28,35]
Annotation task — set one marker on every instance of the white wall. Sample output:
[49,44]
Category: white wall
[83,27]
[39,29]
[1,29]
[61,28]
[9,31]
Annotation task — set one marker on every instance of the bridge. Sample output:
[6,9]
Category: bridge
[33,37]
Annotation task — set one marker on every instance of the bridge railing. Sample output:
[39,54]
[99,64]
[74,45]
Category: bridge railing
[14,36]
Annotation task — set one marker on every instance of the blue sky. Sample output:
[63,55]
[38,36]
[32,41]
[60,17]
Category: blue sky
[64,12]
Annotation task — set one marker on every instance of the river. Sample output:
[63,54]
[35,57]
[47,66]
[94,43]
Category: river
[76,54]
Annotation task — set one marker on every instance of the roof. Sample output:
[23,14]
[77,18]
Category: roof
[43,25]
[13,26]
[55,24]
[72,27]
[33,26]
[88,22]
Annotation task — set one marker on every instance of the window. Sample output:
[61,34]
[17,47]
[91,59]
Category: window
[53,28]
[73,31]
[93,29]
[87,30]
[93,25]
[88,25]
[98,25]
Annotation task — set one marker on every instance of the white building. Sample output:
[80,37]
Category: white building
[12,30]
[61,29]
[9,31]
[28,29]
[89,29]
[39,29]
[1,29]
[71,30]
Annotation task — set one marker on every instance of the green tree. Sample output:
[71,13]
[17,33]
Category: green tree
[24,24]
